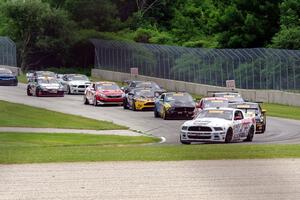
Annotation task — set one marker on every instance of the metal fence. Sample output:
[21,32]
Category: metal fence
[7,52]
[257,68]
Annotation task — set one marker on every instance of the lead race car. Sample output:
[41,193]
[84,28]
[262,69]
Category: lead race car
[218,125]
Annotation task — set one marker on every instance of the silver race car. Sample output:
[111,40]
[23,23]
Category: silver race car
[75,83]
[218,125]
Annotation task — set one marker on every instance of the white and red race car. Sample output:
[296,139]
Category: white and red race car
[218,125]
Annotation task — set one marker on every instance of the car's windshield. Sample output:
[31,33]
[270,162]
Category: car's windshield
[108,86]
[215,103]
[224,114]
[78,78]
[147,85]
[144,93]
[45,73]
[179,97]
[5,71]
[47,81]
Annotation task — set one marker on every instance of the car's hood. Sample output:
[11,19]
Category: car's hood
[107,92]
[214,122]
[79,82]
[181,104]
[50,86]
[7,75]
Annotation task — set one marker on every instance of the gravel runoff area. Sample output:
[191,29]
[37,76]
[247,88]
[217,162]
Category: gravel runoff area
[59,130]
[213,180]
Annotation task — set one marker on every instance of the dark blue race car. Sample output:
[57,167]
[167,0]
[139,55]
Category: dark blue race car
[7,78]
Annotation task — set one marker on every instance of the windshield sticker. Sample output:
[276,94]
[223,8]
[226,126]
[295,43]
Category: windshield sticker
[178,94]
[243,106]
[217,101]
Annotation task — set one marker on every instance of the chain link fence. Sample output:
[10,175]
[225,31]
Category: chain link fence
[257,68]
[7,52]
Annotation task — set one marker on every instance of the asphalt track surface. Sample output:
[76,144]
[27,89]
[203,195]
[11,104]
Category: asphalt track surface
[278,130]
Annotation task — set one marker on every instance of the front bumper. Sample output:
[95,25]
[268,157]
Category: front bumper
[180,114]
[144,105]
[196,136]
[9,82]
[109,101]
[49,93]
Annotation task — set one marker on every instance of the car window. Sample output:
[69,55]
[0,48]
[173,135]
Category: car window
[224,114]
[108,86]
[238,115]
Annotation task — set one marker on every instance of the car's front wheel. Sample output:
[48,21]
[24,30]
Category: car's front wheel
[250,135]
[28,92]
[85,100]
[184,142]
[37,92]
[156,114]
[125,106]
[229,136]
[95,101]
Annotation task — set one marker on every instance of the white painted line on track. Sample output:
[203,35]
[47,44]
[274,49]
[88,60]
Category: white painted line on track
[163,140]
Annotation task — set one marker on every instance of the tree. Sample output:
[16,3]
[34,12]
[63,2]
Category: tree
[40,31]
[101,15]
[289,35]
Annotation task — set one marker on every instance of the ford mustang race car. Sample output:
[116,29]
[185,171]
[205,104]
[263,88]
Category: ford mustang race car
[139,99]
[7,78]
[75,83]
[218,125]
[174,105]
[101,93]
[253,110]
[45,86]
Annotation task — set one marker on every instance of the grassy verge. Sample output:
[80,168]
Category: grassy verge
[22,78]
[283,111]
[18,115]
[43,148]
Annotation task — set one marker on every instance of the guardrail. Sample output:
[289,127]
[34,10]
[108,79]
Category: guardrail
[269,96]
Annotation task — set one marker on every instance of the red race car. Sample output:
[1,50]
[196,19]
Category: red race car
[102,93]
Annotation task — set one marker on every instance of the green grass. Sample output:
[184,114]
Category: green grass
[44,148]
[283,111]
[22,78]
[18,115]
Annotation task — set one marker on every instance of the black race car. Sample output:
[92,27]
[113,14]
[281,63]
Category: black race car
[253,110]
[140,99]
[174,105]
[142,84]
[7,78]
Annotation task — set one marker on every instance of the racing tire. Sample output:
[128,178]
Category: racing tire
[133,106]
[37,92]
[165,116]
[68,90]
[28,92]
[263,129]
[85,101]
[184,142]
[229,136]
[250,135]
[95,102]
[156,114]
[125,106]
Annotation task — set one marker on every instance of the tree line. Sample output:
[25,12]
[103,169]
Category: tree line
[51,33]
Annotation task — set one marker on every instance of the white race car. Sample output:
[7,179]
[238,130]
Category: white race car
[218,125]
[75,83]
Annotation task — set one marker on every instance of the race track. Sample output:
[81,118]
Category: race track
[278,130]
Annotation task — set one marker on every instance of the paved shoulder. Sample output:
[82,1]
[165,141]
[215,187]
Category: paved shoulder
[59,130]
[226,180]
